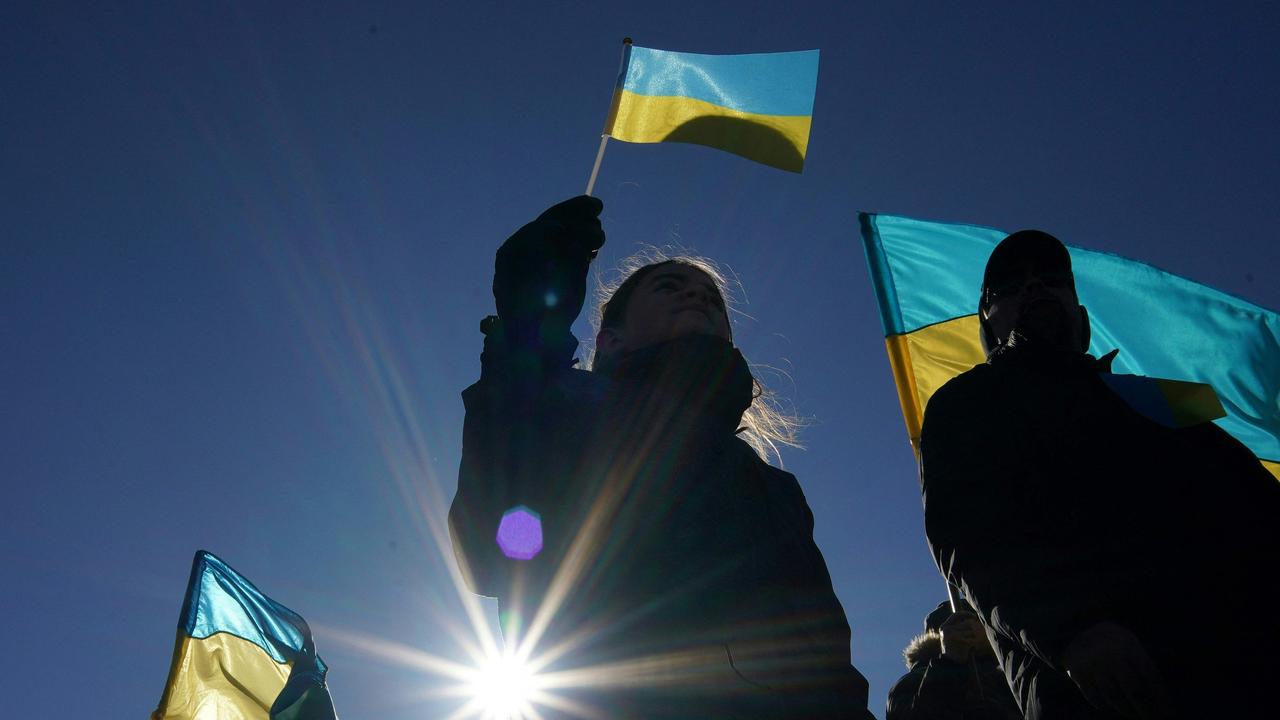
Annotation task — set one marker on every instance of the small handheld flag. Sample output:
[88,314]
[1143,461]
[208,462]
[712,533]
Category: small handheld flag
[927,276]
[241,655]
[758,106]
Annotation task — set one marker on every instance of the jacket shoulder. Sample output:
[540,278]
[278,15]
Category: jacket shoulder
[979,378]
[773,477]
[963,393]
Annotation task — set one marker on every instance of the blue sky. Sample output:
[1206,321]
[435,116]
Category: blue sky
[245,248]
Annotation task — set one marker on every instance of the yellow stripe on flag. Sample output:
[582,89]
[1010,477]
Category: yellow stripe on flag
[221,677]
[777,140]
[923,361]
[1191,403]
[1273,467]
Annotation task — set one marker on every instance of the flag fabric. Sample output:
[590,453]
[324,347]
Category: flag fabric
[241,655]
[927,277]
[759,106]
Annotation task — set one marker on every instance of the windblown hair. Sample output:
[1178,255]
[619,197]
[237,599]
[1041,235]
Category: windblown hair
[766,424]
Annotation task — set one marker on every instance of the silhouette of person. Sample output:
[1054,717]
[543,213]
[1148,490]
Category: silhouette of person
[1094,542]
[676,574]
[952,673]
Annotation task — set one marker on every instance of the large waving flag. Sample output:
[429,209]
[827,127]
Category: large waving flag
[927,277]
[759,106]
[241,655]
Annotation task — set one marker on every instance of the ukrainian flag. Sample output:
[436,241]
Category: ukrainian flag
[927,277]
[758,106]
[241,655]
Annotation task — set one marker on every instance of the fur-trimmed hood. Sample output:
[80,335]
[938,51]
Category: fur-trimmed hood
[923,648]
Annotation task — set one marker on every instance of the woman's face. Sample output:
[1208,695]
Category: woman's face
[671,301]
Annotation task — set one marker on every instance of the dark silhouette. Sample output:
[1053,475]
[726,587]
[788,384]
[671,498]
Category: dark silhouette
[952,673]
[1096,544]
[675,575]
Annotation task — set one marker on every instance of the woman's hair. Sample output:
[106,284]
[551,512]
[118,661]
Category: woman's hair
[765,424]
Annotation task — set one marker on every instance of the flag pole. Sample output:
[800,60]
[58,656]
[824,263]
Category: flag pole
[595,169]
[613,115]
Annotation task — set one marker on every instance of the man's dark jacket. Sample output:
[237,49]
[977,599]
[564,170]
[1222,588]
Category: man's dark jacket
[938,688]
[1054,506]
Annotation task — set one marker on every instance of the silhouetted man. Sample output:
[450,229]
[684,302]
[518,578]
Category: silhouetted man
[1091,540]
[952,673]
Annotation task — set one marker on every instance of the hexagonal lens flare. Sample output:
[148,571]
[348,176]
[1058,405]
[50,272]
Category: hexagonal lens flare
[520,533]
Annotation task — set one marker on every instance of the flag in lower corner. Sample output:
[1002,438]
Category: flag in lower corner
[927,277]
[241,655]
[758,106]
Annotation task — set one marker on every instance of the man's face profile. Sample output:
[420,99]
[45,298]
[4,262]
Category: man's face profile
[1039,303]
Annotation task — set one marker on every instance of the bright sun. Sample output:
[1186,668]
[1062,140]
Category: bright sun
[504,687]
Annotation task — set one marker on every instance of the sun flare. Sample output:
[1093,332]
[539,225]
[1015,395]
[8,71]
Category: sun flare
[504,688]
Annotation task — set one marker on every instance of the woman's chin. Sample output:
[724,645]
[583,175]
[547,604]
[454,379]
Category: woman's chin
[694,323]
[698,331]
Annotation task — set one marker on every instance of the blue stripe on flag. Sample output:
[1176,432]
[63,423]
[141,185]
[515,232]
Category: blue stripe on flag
[934,269]
[881,276]
[219,599]
[763,83]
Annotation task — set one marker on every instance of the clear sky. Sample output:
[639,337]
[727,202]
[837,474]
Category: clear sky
[245,248]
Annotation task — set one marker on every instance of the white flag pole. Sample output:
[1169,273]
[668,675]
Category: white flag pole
[613,114]
[595,169]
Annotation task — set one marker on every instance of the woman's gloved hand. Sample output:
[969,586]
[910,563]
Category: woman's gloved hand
[540,275]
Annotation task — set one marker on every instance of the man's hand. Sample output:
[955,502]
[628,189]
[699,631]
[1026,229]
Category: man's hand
[541,270]
[962,636]
[1115,673]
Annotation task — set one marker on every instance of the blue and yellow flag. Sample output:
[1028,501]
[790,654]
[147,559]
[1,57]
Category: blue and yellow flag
[758,106]
[927,277]
[241,655]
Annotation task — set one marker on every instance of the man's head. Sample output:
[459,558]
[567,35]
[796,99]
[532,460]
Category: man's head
[1028,287]
[959,630]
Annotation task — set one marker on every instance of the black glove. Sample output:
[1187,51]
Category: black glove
[540,275]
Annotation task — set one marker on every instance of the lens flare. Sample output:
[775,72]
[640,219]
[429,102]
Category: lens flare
[520,533]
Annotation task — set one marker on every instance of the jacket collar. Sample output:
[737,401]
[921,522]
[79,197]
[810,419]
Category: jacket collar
[699,379]
[1022,350]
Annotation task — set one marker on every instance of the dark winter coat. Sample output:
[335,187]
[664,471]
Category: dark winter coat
[938,688]
[672,555]
[1054,506]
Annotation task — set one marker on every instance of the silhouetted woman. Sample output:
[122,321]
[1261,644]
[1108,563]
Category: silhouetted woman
[647,562]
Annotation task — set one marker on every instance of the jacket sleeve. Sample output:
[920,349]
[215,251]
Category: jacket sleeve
[521,409]
[985,522]
[1046,695]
